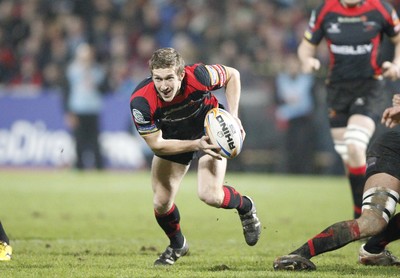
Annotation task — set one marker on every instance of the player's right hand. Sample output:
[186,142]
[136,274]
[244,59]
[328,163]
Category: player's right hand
[206,146]
[310,65]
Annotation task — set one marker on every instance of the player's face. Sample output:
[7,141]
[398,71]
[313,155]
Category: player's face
[167,83]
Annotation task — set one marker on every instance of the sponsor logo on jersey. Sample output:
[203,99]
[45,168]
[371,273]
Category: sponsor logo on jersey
[351,49]
[369,26]
[352,19]
[333,28]
[138,116]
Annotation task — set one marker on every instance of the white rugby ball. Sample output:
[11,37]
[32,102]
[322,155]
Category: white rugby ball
[223,130]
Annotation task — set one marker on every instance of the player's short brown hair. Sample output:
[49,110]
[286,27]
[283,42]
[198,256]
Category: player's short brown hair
[167,57]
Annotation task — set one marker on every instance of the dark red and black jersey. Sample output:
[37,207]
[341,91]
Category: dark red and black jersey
[183,117]
[353,36]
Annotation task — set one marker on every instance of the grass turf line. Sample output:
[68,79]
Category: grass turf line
[72,224]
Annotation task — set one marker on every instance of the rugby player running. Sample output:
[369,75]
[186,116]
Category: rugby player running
[168,110]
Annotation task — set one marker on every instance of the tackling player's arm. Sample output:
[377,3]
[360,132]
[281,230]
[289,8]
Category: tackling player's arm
[161,146]
[306,53]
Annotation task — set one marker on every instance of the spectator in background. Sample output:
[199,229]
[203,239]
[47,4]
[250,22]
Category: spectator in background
[29,78]
[84,103]
[295,110]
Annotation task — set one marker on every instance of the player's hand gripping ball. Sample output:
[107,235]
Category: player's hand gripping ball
[224,131]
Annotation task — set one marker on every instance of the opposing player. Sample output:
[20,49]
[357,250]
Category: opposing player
[353,30]
[168,110]
[378,219]
[5,247]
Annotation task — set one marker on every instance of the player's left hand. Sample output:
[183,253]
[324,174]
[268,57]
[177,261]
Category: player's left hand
[391,70]
[242,131]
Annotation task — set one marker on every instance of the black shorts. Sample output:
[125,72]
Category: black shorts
[183,158]
[344,99]
[383,156]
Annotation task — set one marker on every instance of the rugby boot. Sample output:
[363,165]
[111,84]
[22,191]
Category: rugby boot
[251,224]
[385,258]
[5,251]
[293,263]
[171,255]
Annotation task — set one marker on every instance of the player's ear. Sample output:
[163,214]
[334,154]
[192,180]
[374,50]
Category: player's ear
[182,75]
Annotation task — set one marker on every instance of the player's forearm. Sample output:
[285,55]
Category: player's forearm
[233,90]
[396,42]
[305,51]
[174,146]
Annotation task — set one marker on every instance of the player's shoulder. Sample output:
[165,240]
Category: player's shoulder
[209,75]
[144,93]
[383,3]
[144,85]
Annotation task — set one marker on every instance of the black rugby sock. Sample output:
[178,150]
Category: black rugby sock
[357,182]
[169,222]
[233,199]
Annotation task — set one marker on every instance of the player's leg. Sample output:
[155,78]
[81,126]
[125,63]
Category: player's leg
[381,194]
[351,144]
[383,157]
[5,248]
[211,174]
[166,178]
[379,204]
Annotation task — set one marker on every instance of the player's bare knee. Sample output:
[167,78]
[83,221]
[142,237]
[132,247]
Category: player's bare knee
[379,205]
[371,223]
[161,205]
[210,198]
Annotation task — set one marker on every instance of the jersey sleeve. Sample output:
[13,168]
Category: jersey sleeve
[212,76]
[142,116]
[392,26]
[314,32]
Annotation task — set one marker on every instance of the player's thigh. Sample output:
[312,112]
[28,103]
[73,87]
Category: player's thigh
[337,133]
[383,180]
[211,174]
[166,177]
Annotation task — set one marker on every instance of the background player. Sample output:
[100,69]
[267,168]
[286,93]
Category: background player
[168,110]
[353,30]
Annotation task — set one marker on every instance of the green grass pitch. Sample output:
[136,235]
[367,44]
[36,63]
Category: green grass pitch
[91,224]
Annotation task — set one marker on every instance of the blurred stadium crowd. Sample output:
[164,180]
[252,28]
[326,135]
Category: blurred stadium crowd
[38,39]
